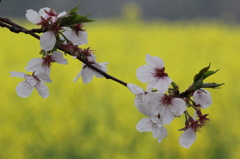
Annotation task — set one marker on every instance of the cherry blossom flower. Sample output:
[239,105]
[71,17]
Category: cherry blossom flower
[44,14]
[25,88]
[202,98]
[47,18]
[87,73]
[154,73]
[170,107]
[77,36]
[43,64]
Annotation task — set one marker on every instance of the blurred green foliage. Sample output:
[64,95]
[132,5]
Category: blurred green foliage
[98,120]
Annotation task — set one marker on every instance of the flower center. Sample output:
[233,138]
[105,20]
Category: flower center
[166,100]
[159,72]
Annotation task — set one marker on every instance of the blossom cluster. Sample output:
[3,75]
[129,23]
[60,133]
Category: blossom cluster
[63,29]
[162,104]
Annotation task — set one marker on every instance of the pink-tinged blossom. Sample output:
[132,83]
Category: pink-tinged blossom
[44,14]
[154,73]
[170,107]
[187,138]
[43,64]
[25,88]
[47,18]
[154,124]
[202,98]
[77,37]
[87,73]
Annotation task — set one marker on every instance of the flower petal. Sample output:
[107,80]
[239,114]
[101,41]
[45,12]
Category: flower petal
[178,106]
[42,89]
[47,40]
[135,89]
[17,74]
[87,75]
[159,132]
[203,98]
[33,16]
[154,61]
[34,64]
[24,89]
[58,58]
[144,125]
[144,73]
[167,115]
[44,77]
[187,138]
[161,84]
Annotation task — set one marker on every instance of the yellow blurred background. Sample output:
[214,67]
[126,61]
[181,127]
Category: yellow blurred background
[98,120]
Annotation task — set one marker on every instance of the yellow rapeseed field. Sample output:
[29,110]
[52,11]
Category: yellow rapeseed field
[98,120]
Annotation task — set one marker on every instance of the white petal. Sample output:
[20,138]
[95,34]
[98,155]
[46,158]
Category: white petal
[62,14]
[42,89]
[24,89]
[34,64]
[144,125]
[154,61]
[159,132]
[144,73]
[203,98]
[17,74]
[178,106]
[78,75]
[167,116]
[44,77]
[58,57]
[47,40]
[33,16]
[187,138]
[87,75]
[161,84]
[134,88]
[42,12]
[101,66]
[31,80]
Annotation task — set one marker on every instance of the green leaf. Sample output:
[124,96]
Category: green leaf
[201,73]
[209,73]
[74,11]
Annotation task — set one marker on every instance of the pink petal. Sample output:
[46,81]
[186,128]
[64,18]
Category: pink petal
[144,125]
[47,40]
[42,89]
[58,57]
[33,16]
[154,61]
[42,11]
[24,89]
[178,106]
[187,138]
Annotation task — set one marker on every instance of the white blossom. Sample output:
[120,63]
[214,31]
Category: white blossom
[87,73]
[202,98]
[154,74]
[25,88]
[43,64]
[76,37]
[170,107]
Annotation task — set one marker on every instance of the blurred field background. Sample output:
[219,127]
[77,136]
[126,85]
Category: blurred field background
[98,120]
